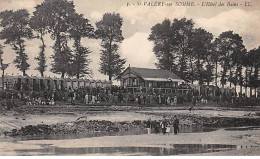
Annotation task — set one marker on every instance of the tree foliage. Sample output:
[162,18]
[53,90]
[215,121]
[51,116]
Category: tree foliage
[182,31]
[109,31]
[161,35]
[57,15]
[80,28]
[183,49]
[15,31]
[194,55]
[201,46]
[230,49]
[254,64]
[39,23]
[1,55]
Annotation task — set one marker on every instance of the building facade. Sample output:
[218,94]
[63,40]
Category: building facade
[33,83]
[147,80]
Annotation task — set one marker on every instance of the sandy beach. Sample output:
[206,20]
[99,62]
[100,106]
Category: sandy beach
[247,143]
[243,140]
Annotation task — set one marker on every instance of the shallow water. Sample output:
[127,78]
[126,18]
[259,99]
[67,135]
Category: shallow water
[53,145]
[157,150]
[172,149]
[81,135]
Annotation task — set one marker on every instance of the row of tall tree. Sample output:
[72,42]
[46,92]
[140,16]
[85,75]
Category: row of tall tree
[59,19]
[194,54]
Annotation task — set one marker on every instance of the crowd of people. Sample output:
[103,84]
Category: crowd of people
[90,96]
[165,126]
[115,95]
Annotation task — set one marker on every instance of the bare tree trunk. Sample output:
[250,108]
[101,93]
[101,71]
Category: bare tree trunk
[230,73]
[216,74]
[109,61]
[246,82]
[23,58]
[43,49]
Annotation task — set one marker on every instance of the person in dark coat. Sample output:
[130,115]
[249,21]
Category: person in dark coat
[194,100]
[176,125]
[156,126]
[139,99]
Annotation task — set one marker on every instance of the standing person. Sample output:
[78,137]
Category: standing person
[98,98]
[120,97]
[139,99]
[12,99]
[194,100]
[144,98]
[160,99]
[21,95]
[168,100]
[116,98]
[163,125]
[74,96]
[175,101]
[149,126]
[157,127]
[199,100]
[93,99]
[70,95]
[176,125]
[171,125]
[190,108]
[86,98]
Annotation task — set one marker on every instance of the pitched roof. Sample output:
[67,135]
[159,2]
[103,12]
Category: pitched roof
[154,73]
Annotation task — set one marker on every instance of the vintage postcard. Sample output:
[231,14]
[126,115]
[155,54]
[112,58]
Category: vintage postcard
[129,77]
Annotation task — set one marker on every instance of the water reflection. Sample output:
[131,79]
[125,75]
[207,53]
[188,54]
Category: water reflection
[174,149]
[83,135]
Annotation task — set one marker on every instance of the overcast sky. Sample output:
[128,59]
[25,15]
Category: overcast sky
[138,21]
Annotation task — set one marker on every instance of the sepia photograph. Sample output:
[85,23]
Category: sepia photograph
[129,78]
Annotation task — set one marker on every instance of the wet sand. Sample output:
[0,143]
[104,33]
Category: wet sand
[246,143]
[46,115]
[12,120]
